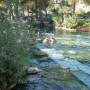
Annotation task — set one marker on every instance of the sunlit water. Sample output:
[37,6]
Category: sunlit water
[75,46]
[72,46]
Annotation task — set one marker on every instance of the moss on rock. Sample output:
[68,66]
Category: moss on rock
[39,54]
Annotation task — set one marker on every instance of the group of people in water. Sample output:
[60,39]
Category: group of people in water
[49,41]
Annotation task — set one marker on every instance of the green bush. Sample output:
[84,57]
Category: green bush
[57,17]
[84,22]
[67,20]
[12,55]
[70,21]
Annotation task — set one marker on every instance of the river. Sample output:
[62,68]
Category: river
[73,46]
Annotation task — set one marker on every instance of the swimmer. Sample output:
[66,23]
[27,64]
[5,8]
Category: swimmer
[46,41]
[52,40]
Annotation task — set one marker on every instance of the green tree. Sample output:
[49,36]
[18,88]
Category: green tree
[38,5]
[12,7]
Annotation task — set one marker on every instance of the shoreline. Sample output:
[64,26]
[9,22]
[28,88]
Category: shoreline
[79,29]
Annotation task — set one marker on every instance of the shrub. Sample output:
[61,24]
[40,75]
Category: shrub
[57,17]
[12,55]
[83,22]
[70,21]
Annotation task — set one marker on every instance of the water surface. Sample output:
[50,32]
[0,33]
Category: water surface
[73,46]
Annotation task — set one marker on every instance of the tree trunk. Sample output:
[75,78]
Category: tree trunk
[74,7]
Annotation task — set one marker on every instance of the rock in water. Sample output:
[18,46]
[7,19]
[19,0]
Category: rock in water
[33,70]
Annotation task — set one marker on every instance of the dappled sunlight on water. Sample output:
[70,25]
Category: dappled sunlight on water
[75,46]
[60,67]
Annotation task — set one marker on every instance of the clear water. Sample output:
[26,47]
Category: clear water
[74,45]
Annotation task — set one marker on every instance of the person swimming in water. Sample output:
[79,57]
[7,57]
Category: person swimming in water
[52,40]
[46,41]
[49,41]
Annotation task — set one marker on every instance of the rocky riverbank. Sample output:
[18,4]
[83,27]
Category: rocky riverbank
[52,79]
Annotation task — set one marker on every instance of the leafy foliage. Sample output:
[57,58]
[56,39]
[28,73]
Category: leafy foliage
[84,22]
[12,55]
[70,21]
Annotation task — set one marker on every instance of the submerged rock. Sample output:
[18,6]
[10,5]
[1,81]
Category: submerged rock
[38,83]
[43,59]
[39,54]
